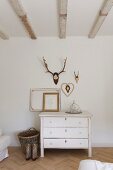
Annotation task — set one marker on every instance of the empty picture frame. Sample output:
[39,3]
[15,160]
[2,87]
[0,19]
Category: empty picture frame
[51,102]
[36,98]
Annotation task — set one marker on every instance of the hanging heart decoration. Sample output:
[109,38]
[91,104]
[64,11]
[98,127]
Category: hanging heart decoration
[67,88]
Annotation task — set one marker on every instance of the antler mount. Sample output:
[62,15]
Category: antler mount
[55,74]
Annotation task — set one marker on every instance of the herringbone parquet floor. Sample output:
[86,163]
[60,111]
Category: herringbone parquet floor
[54,159]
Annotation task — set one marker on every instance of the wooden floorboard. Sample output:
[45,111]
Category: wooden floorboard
[54,159]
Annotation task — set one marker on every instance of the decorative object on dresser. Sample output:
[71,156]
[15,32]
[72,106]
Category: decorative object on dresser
[74,109]
[51,102]
[76,76]
[68,131]
[36,98]
[55,74]
[67,88]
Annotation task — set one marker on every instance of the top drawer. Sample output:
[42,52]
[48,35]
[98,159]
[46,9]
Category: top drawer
[65,122]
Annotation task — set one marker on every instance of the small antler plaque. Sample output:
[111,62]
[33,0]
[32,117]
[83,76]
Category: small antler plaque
[76,76]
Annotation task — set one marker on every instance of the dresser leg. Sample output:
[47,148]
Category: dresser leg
[90,152]
[41,139]
[89,140]
[42,152]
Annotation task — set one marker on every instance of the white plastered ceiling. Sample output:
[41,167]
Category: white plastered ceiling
[43,16]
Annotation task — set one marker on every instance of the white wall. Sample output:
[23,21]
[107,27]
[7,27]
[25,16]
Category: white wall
[21,68]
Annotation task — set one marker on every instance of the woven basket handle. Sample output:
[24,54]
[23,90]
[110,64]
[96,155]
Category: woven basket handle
[32,128]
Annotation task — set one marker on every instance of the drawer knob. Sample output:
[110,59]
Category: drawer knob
[65,130]
[65,118]
[65,141]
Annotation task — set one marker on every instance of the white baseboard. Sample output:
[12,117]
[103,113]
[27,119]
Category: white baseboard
[102,144]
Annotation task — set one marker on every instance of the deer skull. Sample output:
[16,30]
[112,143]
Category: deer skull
[55,74]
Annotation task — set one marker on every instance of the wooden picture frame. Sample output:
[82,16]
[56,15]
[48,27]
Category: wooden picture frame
[50,102]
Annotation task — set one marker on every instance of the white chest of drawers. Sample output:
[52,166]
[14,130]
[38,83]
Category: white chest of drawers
[68,131]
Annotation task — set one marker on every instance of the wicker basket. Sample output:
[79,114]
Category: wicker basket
[29,138]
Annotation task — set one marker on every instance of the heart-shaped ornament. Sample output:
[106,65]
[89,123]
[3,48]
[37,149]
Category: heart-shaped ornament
[67,88]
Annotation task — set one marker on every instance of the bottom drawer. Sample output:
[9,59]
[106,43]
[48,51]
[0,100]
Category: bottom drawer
[65,143]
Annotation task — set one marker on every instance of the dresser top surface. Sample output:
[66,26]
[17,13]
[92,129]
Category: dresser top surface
[62,114]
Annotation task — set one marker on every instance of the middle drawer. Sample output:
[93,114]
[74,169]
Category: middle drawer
[65,133]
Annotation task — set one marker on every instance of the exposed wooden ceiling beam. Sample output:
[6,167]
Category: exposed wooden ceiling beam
[3,35]
[19,10]
[101,17]
[62,18]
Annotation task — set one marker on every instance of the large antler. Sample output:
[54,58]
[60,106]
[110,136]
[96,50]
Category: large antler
[46,66]
[64,66]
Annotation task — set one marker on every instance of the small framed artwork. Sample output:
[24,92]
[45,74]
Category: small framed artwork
[51,102]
